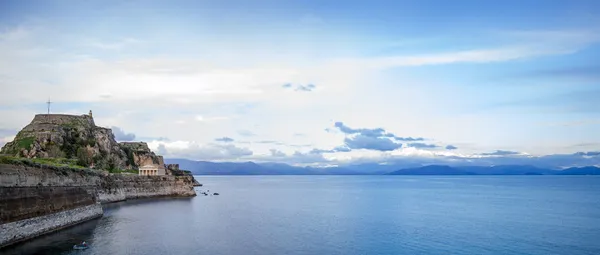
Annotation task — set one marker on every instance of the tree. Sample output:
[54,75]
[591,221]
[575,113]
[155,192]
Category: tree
[84,157]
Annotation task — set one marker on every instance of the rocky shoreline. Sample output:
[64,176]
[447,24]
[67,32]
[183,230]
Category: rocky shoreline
[60,168]
[39,199]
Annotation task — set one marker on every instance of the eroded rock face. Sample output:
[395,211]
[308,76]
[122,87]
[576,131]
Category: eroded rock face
[139,154]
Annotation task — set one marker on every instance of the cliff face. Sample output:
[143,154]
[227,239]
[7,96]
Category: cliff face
[138,154]
[72,136]
[123,187]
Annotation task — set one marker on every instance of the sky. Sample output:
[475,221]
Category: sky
[313,82]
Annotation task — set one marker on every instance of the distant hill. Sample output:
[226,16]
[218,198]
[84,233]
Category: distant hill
[588,170]
[493,170]
[252,168]
[507,170]
[237,168]
[432,170]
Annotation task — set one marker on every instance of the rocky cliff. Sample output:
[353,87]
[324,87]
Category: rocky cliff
[138,154]
[53,175]
[77,136]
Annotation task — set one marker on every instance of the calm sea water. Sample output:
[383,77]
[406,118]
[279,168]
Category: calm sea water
[350,215]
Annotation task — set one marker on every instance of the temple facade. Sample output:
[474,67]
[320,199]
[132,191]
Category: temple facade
[151,170]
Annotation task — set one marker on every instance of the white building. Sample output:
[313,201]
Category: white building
[151,170]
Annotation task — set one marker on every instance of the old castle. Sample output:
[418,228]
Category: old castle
[78,137]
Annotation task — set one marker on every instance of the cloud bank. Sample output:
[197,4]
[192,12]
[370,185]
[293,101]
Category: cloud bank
[121,136]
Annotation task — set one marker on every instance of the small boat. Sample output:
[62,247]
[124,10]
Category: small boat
[80,247]
[216,194]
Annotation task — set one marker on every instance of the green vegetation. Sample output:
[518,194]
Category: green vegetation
[123,171]
[84,157]
[69,146]
[73,124]
[58,164]
[129,152]
[155,160]
[103,161]
[24,142]
[54,151]
[73,142]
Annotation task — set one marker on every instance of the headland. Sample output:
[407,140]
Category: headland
[60,168]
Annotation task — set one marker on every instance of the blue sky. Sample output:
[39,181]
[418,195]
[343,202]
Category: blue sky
[276,77]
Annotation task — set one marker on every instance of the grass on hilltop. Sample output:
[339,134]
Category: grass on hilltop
[123,171]
[55,163]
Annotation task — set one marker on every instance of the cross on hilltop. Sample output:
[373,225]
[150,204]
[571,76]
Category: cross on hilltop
[49,102]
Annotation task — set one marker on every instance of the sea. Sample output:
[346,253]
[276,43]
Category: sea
[539,215]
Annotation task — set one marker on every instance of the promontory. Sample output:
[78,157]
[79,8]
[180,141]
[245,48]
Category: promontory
[60,168]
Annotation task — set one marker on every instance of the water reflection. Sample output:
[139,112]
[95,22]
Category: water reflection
[57,242]
[93,232]
[351,215]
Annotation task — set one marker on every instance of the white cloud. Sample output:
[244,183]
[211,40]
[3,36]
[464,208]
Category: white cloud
[7,139]
[193,150]
[208,119]
[277,153]
[118,45]
[121,135]
[196,99]
[91,79]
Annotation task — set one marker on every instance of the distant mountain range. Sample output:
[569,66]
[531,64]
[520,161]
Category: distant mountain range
[475,170]
[252,168]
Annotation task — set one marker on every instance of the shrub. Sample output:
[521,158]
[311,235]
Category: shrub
[123,171]
[25,142]
[54,151]
[84,157]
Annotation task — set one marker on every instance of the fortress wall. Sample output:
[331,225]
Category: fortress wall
[62,119]
[22,230]
[38,200]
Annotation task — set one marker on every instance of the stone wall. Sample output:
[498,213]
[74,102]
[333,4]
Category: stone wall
[29,228]
[106,187]
[29,176]
[49,199]
[61,119]
[18,203]
[123,187]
